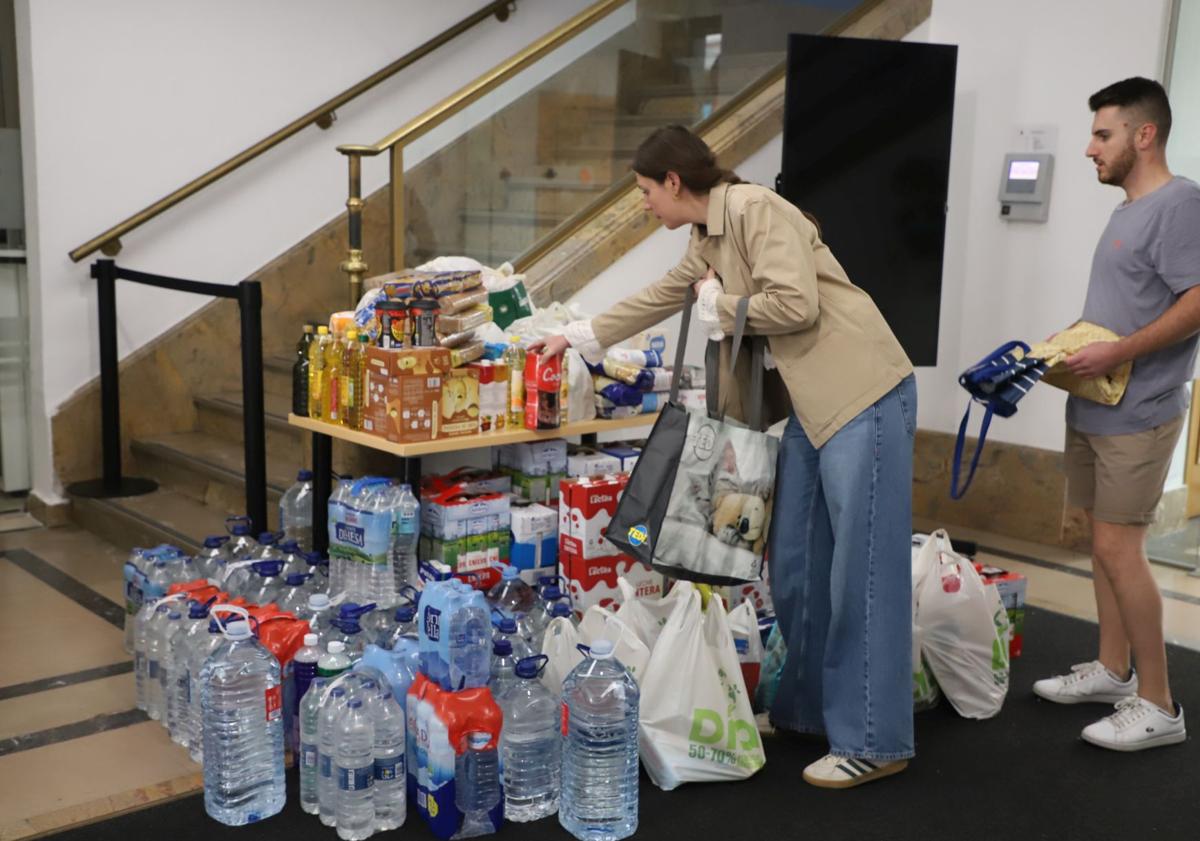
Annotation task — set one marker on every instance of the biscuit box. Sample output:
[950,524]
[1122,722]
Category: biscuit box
[585,508]
[593,581]
[460,403]
[403,392]
[1012,587]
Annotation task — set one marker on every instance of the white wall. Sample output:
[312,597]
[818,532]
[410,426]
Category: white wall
[123,101]
[1021,62]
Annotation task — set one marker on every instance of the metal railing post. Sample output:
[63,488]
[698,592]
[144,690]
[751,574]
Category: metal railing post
[354,265]
[253,430]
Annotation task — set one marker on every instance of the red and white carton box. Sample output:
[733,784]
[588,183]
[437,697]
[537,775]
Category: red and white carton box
[592,581]
[585,508]
[1012,587]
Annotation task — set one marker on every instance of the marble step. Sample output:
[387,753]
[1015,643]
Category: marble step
[165,516]
[210,469]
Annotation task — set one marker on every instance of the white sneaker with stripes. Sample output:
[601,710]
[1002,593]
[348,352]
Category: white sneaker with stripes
[833,771]
[1137,724]
[1086,683]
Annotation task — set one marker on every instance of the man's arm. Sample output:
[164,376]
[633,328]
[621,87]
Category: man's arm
[1176,324]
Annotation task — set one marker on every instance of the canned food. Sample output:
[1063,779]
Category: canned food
[423,314]
[392,317]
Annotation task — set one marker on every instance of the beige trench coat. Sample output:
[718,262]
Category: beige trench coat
[835,354]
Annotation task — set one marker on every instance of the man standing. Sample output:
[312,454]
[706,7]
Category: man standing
[1144,286]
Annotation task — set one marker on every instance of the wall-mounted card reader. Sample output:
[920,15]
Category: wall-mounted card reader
[1025,187]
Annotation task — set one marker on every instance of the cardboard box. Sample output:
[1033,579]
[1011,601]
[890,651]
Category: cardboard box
[460,403]
[585,508]
[543,392]
[592,581]
[1012,587]
[534,537]
[493,395]
[532,576]
[467,480]
[623,453]
[404,392]
[541,489]
[587,462]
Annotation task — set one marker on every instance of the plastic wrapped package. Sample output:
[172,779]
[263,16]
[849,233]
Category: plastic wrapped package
[643,379]
[460,356]
[618,393]
[465,320]
[460,301]
[340,322]
[456,339]
[651,402]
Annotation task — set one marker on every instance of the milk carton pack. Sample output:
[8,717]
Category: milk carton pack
[626,455]
[535,458]
[585,508]
[588,462]
[534,537]
[593,581]
[469,532]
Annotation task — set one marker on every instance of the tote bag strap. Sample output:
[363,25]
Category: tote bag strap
[956,467]
[677,373]
[712,372]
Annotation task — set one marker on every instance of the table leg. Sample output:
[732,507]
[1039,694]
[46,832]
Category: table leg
[322,462]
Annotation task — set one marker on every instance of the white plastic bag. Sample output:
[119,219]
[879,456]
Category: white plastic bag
[696,724]
[747,641]
[648,616]
[559,646]
[963,629]
[547,321]
[601,623]
[581,391]
[924,553]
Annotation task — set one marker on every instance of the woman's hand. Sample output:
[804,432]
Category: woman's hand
[551,346]
[711,274]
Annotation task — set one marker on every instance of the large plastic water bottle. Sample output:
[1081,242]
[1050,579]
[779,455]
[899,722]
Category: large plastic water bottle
[264,587]
[310,710]
[408,529]
[355,770]
[166,678]
[405,625]
[180,696]
[208,561]
[155,659]
[134,572]
[470,640]
[511,595]
[506,628]
[539,615]
[317,612]
[503,669]
[293,598]
[241,543]
[141,624]
[339,497]
[477,784]
[600,748]
[199,650]
[238,578]
[530,745]
[292,557]
[318,570]
[347,627]
[295,510]
[327,744]
[388,718]
[241,700]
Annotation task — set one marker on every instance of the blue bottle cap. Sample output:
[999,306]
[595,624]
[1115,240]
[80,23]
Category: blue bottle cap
[267,538]
[355,703]
[502,647]
[197,610]
[295,579]
[531,667]
[560,609]
[507,625]
[509,573]
[174,614]
[214,541]
[291,547]
[304,476]
[405,613]
[240,530]
[551,593]
[267,569]
[338,692]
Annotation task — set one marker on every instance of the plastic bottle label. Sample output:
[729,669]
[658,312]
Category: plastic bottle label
[308,755]
[326,763]
[355,779]
[566,718]
[389,768]
[274,699]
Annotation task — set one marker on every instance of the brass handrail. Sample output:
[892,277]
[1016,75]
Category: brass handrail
[617,190]
[354,266]
[323,115]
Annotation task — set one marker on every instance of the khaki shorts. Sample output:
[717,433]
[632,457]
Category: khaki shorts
[1120,478]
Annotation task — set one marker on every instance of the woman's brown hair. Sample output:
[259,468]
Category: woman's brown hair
[675,149]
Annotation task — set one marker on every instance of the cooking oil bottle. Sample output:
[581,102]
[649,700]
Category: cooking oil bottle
[350,392]
[316,373]
[331,399]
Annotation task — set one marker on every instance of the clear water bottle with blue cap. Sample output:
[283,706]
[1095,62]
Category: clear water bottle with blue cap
[241,702]
[505,627]
[241,543]
[469,639]
[147,617]
[347,627]
[195,625]
[268,547]
[308,760]
[293,596]
[600,748]
[404,548]
[318,570]
[503,669]
[317,612]
[331,708]
[154,657]
[404,626]
[561,610]
[388,719]
[539,617]
[296,510]
[199,649]
[265,585]
[511,595]
[166,675]
[208,561]
[530,745]
[354,769]
[290,553]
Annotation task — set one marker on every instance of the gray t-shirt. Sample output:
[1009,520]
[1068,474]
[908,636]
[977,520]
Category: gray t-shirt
[1148,256]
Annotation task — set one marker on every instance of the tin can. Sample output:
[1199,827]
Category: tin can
[423,314]
[392,316]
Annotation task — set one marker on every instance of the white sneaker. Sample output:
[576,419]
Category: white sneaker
[1087,683]
[1136,725]
[833,771]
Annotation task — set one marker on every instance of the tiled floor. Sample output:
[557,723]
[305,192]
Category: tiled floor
[60,594]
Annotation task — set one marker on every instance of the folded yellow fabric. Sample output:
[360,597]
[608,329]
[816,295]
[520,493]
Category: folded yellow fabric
[1108,389]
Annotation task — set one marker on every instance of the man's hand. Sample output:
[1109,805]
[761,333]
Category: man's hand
[551,346]
[1095,360]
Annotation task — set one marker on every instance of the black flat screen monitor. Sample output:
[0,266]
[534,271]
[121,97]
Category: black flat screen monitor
[866,150]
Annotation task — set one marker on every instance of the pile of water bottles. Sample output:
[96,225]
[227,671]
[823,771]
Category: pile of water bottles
[374,526]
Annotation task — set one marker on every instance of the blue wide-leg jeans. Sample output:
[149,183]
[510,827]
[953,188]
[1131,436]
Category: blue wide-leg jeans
[841,579]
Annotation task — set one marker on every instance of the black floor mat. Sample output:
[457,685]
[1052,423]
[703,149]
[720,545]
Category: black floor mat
[1023,775]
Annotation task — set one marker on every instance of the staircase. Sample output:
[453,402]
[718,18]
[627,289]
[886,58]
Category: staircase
[491,194]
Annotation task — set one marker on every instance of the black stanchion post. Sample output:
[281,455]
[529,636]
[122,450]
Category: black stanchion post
[111,483]
[322,466]
[253,431]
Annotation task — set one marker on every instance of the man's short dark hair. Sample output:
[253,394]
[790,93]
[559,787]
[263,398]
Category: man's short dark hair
[1145,96]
